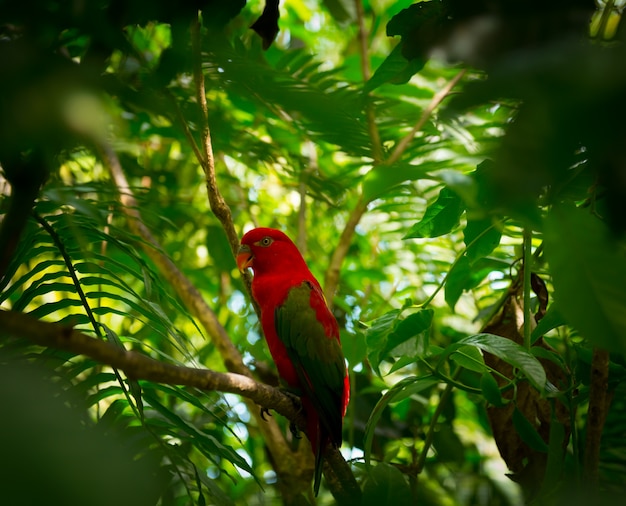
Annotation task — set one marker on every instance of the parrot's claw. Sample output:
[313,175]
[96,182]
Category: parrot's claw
[295,398]
[265,411]
[294,431]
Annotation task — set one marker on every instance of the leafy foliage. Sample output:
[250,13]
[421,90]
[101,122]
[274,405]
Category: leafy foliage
[472,246]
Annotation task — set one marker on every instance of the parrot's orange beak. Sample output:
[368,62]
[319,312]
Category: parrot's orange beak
[244,257]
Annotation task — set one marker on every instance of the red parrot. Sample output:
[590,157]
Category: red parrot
[301,333]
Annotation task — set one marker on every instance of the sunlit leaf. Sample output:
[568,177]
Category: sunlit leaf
[440,217]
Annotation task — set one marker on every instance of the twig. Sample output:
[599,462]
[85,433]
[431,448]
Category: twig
[421,461]
[377,152]
[434,103]
[527,266]
[331,277]
[216,200]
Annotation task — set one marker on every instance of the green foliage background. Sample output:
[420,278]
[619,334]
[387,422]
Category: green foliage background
[426,183]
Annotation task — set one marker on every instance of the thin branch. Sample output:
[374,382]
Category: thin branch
[421,461]
[527,266]
[331,277]
[186,290]
[377,152]
[216,200]
[434,103]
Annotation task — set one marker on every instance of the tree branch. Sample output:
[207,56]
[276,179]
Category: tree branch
[182,285]
[216,200]
[434,103]
[138,366]
[141,367]
[331,277]
[377,152]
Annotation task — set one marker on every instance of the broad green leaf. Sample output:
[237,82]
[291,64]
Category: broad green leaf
[440,218]
[376,335]
[481,238]
[465,275]
[382,178]
[528,433]
[589,275]
[394,69]
[413,325]
[490,389]
[448,445]
[551,320]
[354,347]
[506,350]
[470,358]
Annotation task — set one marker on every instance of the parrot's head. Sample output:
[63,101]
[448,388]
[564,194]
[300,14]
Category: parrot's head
[267,249]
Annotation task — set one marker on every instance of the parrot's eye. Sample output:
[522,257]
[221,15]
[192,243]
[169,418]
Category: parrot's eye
[266,241]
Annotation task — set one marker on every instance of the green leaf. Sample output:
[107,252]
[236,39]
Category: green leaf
[457,280]
[413,325]
[354,347]
[528,433]
[440,218]
[470,358]
[465,276]
[506,350]
[589,275]
[551,320]
[376,336]
[491,390]
[394,69]
[386,485]
[382,178]
[481,238]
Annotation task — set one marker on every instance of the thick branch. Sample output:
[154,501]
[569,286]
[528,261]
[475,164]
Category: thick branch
[141,367]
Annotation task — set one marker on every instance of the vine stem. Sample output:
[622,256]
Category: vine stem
[528,259]
[428,441]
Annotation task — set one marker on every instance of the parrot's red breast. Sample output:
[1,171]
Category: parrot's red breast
[301,332]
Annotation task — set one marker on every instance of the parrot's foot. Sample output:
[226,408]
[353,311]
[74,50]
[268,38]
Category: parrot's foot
[295,398]
[265,411]
[293,428]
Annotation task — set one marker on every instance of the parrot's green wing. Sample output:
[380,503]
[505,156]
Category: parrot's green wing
[316,355]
